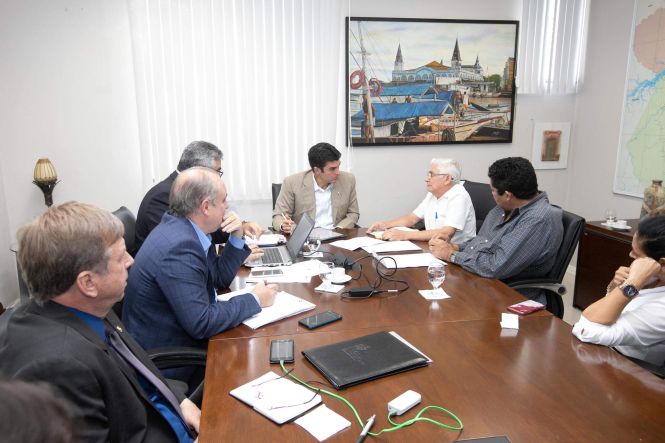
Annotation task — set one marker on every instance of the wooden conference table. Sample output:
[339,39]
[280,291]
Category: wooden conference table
[536,384]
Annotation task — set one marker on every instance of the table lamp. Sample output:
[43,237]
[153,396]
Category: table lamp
[46,178]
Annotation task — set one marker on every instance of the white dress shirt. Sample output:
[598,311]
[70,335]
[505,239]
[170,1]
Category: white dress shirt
[323,201]
[639,331]
[454,209]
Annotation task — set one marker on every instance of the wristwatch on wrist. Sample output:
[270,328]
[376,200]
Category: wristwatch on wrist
[629,290]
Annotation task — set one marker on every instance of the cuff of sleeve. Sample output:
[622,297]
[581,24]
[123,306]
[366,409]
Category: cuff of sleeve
[238,243]
[256,297]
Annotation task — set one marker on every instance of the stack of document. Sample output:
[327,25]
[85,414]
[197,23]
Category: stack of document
[409,260]
[278,398]
[355,243]
[392,246]
[285,305]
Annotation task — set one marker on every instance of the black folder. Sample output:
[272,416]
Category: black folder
[363,359]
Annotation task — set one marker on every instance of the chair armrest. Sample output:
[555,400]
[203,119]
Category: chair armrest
[173,357]
[543,283]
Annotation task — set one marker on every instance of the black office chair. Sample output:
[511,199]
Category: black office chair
[573,226]
[481,197]
[177,357]
[276,187]
[658,370]
[129,221]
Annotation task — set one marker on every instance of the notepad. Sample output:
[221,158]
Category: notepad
[278,398]
[364,358]
[285,305]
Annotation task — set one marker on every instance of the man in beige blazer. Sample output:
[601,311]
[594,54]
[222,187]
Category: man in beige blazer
[324,192]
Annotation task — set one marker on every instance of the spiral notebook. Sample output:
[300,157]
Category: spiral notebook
[364,358]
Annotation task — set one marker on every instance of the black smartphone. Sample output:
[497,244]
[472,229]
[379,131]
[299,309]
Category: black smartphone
[316,320]
[281,350]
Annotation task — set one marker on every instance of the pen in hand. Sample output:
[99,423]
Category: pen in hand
[366,429]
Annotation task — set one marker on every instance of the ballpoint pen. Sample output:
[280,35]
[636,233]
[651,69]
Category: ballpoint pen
[366,429]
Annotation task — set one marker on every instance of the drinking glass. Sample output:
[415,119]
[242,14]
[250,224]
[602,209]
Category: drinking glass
[311,245]
[436,274]
[325,272]
[610,216]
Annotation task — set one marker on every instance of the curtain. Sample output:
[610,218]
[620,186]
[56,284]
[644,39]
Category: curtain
[258,78]
[552,45]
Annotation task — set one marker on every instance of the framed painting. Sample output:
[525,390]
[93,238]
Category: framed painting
[424,81]
[550,145]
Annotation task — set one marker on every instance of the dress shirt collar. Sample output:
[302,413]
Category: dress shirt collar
[318,188]
[95,323]
[205,239]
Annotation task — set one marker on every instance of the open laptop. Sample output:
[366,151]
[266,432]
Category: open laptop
[287,254]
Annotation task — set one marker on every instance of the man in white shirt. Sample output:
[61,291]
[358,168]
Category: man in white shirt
[446,209]
[325,193]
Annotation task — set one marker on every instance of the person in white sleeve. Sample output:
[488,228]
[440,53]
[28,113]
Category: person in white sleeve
[446,209]
[631,316]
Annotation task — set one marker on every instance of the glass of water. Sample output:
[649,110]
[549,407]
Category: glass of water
[436,274]
[311,245]
[325,272]
[610,216]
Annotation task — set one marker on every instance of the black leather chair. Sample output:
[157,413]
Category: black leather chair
[481,197]
[573,226]
[276,187]
[129,221]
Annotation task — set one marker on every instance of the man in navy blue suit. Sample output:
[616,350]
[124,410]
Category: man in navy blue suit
[170,296]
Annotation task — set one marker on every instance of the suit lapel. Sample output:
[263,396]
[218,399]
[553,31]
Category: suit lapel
[308,193]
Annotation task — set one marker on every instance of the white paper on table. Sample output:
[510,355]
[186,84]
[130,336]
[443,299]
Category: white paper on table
[329,288]
[323,423]
[354,243]
[379,234]
[270,391]
[409,260]
[510,321]
[434,295]
[392,246]
[285,305]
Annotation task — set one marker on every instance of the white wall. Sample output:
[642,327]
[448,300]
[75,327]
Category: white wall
[67,93]
[598,109]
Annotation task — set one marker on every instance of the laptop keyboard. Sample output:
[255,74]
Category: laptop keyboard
[271,255]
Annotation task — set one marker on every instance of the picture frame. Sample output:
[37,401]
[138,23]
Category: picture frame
[415,82]
[550,145]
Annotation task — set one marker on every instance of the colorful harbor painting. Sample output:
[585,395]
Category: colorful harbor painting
[422,81]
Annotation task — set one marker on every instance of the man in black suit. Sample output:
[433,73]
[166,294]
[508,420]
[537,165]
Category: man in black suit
[75,262]
[156,201]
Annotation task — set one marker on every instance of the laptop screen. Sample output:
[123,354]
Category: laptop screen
[300,234]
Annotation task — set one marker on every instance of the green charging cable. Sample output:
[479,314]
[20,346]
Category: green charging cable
[396,426]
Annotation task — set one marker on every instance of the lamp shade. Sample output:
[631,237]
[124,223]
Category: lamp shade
[44,171]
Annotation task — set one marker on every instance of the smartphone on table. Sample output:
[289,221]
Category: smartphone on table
[323,318]
[281,350]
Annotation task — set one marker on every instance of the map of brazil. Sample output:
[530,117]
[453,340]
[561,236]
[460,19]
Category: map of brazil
[641,155]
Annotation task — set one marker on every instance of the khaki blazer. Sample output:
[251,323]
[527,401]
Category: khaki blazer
[297,197]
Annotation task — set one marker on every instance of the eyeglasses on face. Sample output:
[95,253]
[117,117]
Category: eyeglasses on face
[430,174]
[218,171]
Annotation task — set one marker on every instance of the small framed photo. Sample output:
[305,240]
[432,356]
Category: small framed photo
[550,145]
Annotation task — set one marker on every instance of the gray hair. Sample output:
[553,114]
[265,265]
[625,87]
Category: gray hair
[191,187]
[448,166]
[199,153]
[63,242]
